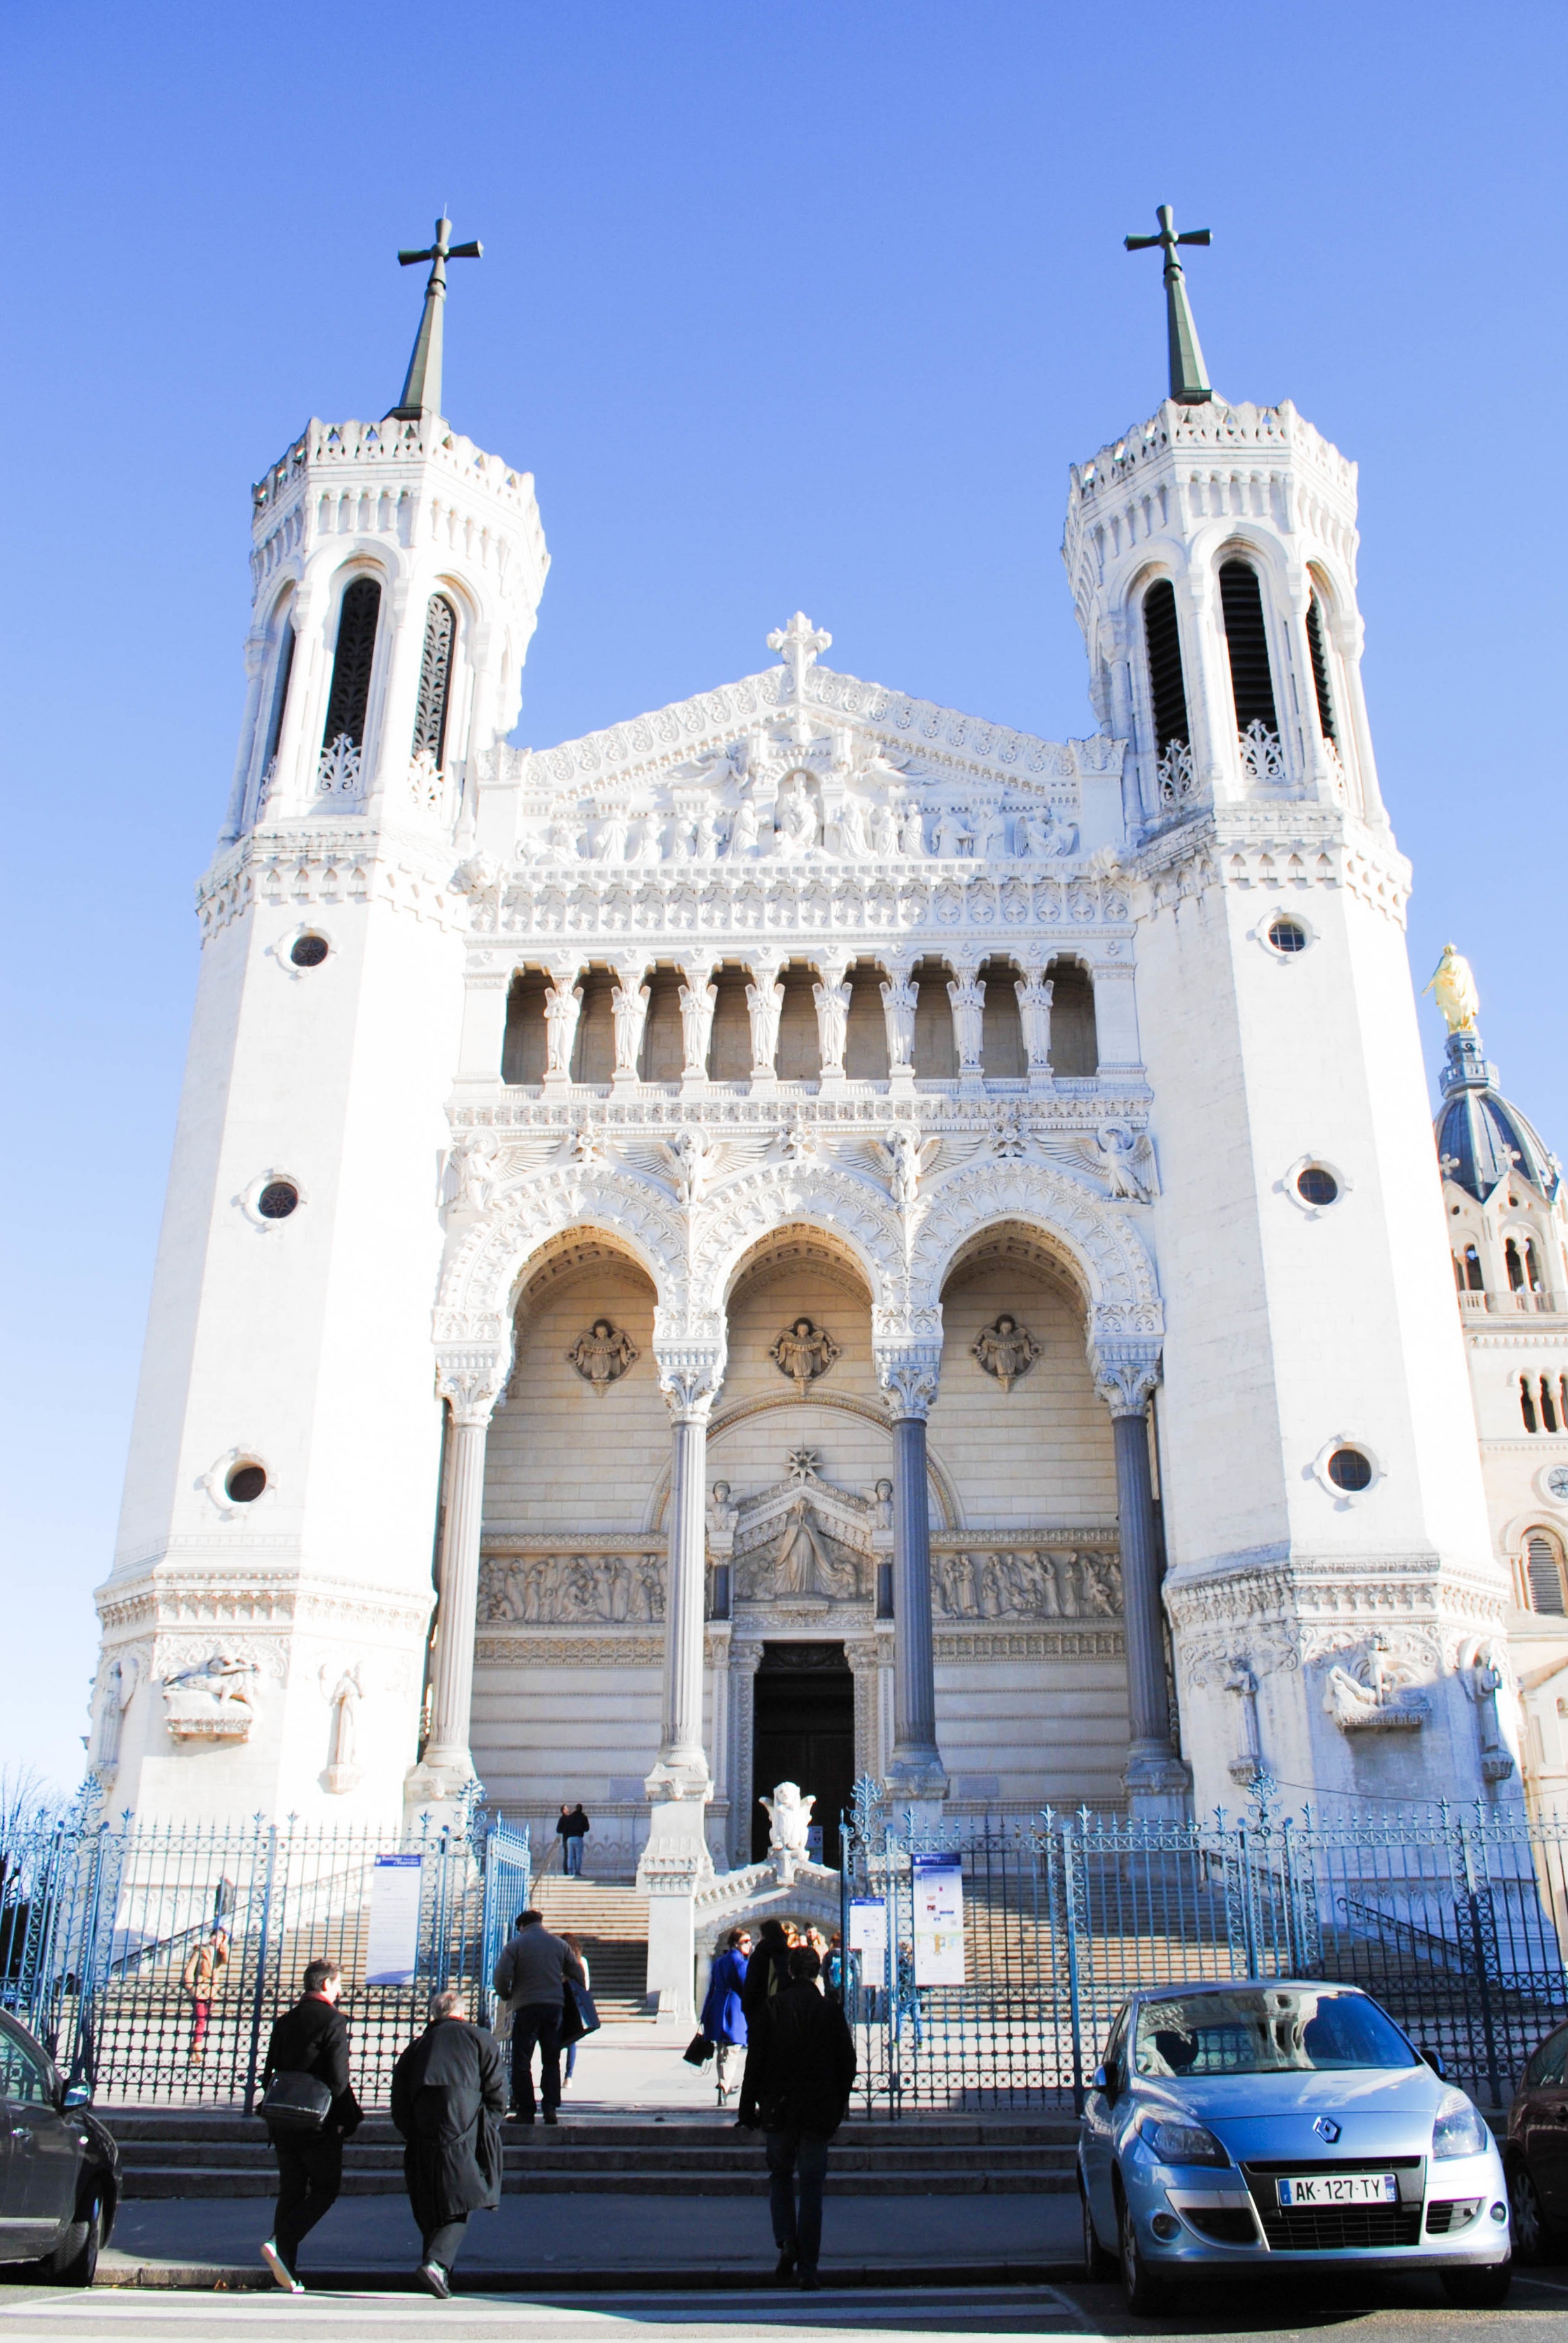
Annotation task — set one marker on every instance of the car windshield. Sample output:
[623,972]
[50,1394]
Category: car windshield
[1266,2030]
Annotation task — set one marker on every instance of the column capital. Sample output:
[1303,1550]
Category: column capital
[1125,1372]
[909,1375]
[471,1381]
[690,1377]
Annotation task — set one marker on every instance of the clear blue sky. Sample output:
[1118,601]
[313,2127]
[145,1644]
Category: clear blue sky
[808,306]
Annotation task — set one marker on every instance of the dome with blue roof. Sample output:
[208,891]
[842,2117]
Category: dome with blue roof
[1480,1136]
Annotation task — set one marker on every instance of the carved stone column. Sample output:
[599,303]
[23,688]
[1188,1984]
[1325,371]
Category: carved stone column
[1157,1782]
[563,1003]
[764,1007]
[628,1004]
[831,997]
[744,1659]
[698,998]
[909,1374]
[470,1382]
[967,994]
[1034,993]
[676,1860]
[899,994]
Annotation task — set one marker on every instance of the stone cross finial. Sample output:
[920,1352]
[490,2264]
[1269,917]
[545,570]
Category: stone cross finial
[798,645]
[422,385]
[1189,382]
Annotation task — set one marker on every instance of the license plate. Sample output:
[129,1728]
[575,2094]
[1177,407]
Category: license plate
[1339,2188]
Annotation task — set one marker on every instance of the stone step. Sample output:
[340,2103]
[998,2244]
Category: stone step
[206,2132]
[552,2153]
[257,2180]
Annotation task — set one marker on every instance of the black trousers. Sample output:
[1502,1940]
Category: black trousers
[540,2022]
[787,2152]
[309,2176]
[441,2245]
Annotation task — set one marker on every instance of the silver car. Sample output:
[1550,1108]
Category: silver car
[1264,2122]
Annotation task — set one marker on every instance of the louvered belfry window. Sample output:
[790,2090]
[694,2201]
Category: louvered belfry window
[1544,1574]
[283,671]
[435,681]
[1318,644]
[1166,689]
[350,695]
[1251,685]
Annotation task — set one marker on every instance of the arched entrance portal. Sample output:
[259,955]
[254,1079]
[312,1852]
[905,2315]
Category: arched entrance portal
[803,1731]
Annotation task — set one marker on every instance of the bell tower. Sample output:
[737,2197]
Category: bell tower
[1328,1561]
[266,1621]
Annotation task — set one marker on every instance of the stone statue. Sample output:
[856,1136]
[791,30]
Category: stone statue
[1034,998]
[764,1005]
[1005,1350]
[803,1352]
[610,846]
[696,1006]
[899,1010]
[474,1169]
[743,830]
[967,994]
[803,1565]
[951,835]
[991,835]
[629,1010]
[883,1497]
[708,838]
[832,1022]
[602,1356]
[1482,1679]
[1041,836]
[1124,1160]
[1452,987]
[912,833]
[883,832]
[1373,1698]
[903,1159]
[851,828]
[210,1700]
[342,1772]
[790,1818]
[797,820]
[562,1002]
[693,1158]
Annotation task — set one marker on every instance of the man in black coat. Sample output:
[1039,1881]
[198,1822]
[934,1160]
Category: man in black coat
[448,2098]
[311,2038]
[798,2076]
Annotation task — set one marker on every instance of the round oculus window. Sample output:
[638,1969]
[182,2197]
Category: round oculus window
[1287,935]
[1313,1186]
[244,1485]
[278,1200]
[1350,1470]
[308,951]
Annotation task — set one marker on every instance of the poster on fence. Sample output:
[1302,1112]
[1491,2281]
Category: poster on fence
[394,1942]
[868,1936]
[938,1889]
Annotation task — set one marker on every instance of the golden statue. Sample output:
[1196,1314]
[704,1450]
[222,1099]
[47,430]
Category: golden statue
[1452,987]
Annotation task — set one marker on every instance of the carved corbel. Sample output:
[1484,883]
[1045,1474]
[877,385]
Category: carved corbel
[472,1382]
[690,1377]
[1125,1372]
[910,1375]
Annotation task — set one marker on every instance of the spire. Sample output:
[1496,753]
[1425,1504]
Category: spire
[1188,383]
[422,385]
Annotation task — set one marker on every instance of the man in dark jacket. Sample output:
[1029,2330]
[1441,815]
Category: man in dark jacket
[799,2077]
[571,1830]
[447,2098]
[311,2038]
[531,1979]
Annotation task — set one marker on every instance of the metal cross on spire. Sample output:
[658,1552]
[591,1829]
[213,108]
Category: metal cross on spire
[422,387]
[797,644]
[1188,383]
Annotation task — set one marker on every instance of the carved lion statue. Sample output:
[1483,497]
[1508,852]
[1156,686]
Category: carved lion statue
[789,1816]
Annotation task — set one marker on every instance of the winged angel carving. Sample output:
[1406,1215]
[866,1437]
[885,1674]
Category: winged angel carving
[903,1161]
[1124,1160]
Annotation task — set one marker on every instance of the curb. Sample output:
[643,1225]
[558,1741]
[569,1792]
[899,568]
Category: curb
[245,2277]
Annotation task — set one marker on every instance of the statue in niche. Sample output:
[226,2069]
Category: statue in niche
[898,997]
[912,833]
[991,835]
[952,837]
[883,835]
[797,818]
[610,846]
[342,1772]
[852,828]
[743,830]
[803,1352]
[1376,1697]
[1042,837]
[602,1356]
[1482,1679]
[1006,1351]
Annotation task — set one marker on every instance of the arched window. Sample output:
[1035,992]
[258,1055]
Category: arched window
[1074,1041]
[1527,1404]
[435,682]
[1166,689]
[1002,1055]
[1515,1267]
[283,669]
[523,1056]
[593,1043]
[1532,1268]
[866,1039]
[1318,644]
[936,1050]
[1246,638]
[1543,1574]
[1467,1273]
[350,695]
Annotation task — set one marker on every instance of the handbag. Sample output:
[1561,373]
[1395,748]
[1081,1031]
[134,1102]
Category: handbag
[698,2051]
[294,2102]
[579,2016]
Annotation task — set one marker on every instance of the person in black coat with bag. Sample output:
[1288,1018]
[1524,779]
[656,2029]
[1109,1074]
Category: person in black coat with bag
[448,2095]
[311,2038]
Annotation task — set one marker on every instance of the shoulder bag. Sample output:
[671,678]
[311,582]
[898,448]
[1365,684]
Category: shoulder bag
[294,2102]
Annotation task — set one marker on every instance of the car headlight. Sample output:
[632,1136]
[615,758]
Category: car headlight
[1460,2128]
[1177,2143]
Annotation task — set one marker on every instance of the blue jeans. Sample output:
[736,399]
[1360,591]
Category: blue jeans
[786,2150]
[574,1856]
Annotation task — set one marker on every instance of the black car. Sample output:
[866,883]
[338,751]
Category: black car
[59,2169]
[1535,2153]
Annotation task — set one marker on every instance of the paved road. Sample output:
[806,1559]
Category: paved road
[1407,2312]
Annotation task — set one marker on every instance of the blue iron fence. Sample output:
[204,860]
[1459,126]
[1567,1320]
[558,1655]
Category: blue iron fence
[105,1940]
[1457,1925]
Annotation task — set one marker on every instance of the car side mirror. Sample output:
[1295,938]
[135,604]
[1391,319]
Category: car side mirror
[1434,2060]
[1108,2078]
[75,2094]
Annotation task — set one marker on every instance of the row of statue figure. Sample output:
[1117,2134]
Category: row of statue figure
[559,1590]
[794,830]
[1030,1584]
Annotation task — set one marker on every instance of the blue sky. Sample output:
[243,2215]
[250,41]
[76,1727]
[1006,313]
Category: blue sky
[807,306]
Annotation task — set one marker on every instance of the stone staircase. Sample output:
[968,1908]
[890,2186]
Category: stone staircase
[193,2153]
[609,1921]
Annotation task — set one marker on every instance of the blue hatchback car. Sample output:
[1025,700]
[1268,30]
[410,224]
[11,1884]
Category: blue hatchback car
[1263,2122]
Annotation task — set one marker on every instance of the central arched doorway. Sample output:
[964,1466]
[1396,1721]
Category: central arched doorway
[803,1729]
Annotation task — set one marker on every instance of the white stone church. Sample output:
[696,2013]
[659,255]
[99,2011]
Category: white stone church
[808,1232]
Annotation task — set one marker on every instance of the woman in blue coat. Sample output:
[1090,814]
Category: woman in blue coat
[723,2020]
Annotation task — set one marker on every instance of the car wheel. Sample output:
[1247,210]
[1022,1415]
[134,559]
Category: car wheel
[1478,2289]
[1535,2240]
[1148,2297]
[74,2260]
[1097,2265]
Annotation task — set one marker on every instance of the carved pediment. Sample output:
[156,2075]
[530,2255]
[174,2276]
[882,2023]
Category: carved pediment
[804,1540]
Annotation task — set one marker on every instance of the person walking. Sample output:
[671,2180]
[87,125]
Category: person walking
[723,2015]
[311,2038]
[571,1829]
[801,2069]
[767,1970]
[447,2098]
[569,2070]
[531,1979]
[199,1980]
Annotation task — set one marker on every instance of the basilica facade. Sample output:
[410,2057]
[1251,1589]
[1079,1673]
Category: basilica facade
[806,1232]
